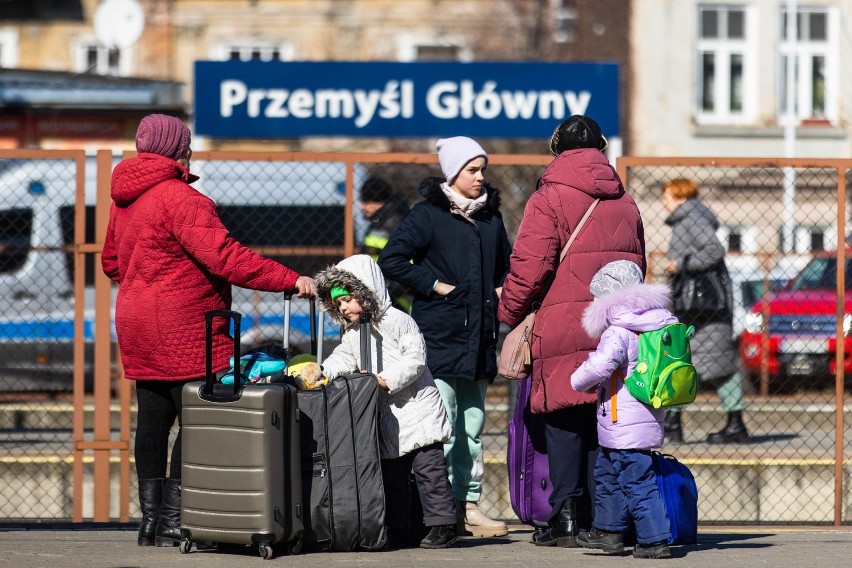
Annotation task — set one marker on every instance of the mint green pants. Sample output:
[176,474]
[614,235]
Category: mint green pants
[465,404]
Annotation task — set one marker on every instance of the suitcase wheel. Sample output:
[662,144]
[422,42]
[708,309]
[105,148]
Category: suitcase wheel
[265,551]
[295,545]
[185,545]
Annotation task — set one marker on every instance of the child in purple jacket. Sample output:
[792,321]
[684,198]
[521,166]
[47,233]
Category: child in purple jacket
[626,485]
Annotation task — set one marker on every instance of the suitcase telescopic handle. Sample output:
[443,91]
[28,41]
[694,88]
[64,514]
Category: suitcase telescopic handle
[208,320]
[288,305]
[313,325]
[366,350]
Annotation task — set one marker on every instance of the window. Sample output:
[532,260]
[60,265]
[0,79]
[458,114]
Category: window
[8,48]
[738,239]
[16,227]
[815,63]
[418,47]
[726,64]
[437,52]
[67,221]
[252,51]
[564,21]
[97,59]
[808,239]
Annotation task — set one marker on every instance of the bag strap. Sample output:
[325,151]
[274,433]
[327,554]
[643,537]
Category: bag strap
[577,230]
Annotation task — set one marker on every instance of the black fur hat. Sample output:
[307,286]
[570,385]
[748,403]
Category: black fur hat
[577,132]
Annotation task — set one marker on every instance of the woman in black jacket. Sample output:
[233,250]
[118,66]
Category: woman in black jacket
[453,251]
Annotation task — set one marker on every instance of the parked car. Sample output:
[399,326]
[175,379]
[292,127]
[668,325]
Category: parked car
[748,288]
[801,322]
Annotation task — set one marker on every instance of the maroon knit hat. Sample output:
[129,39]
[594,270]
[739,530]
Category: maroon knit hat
[162,134]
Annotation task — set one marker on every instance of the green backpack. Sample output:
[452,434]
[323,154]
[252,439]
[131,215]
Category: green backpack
[664,375]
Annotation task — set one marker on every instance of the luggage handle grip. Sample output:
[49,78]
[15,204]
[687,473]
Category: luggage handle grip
[208,320]
[317,327]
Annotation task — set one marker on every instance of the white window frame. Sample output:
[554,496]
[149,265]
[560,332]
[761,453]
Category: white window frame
[266,49]
[748,237]
[81,60]
[723,49]
[8,48]
[564,21]
[408,44]
[806,50]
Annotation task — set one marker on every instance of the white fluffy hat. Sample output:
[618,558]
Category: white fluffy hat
[454,154]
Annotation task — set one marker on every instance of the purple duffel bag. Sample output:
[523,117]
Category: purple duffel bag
[529,476]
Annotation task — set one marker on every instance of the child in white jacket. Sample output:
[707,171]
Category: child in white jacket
[412,421]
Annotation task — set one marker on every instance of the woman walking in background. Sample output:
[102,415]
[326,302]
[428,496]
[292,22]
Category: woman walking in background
[174,261]
[453,251]
[694,247]
[579,174]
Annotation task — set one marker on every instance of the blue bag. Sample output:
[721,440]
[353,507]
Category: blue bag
[680,495]
[255,367]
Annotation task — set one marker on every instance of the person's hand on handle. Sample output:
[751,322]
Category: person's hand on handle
[305,287]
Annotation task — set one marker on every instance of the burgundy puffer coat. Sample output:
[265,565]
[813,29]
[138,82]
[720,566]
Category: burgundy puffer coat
[174,261]
[614,231]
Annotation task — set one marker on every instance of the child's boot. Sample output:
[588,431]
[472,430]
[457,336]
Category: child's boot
[611,543]
[653,550]
[440,536]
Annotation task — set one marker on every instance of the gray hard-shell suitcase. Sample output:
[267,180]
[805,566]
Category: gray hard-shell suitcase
[341,467]
[241,461]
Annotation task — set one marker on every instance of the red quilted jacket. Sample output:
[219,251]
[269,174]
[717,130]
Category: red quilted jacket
[614,231]
[174,261]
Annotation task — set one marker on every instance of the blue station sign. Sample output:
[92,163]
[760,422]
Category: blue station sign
[277,99]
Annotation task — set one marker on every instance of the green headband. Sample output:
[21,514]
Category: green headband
[338,291]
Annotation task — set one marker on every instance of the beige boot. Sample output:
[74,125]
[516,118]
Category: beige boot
[478,524]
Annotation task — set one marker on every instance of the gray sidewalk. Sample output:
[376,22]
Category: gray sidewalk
[89,546]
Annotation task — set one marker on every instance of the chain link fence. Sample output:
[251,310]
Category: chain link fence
[304,209]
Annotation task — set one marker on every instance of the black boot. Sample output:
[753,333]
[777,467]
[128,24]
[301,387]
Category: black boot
[601,540]
[672,427]
[563,528]
[734,431]
[440,536]
[150,496]
[168,528]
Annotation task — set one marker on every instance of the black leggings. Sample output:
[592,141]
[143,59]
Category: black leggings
[159,404]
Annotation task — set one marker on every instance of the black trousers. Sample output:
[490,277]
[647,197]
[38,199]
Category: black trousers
[433,485]
[159,405]
[572,443]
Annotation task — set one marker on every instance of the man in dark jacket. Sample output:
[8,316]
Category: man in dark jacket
[453,251]
[384,209]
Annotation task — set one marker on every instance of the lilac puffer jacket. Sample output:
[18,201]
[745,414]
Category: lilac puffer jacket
[618,319]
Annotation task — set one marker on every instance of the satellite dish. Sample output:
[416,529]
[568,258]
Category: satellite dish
[119,23]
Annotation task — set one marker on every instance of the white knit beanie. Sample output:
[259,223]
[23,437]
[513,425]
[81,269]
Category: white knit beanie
[454,154]
[615,276]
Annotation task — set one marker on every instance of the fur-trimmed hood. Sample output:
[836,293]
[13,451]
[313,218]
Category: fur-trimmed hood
[361,277]
[430,190]
[640,307]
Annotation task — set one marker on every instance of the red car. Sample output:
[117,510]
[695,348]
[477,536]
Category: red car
[801,320]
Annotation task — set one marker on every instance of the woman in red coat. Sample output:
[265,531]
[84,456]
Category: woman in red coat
[173,260]
[578,175]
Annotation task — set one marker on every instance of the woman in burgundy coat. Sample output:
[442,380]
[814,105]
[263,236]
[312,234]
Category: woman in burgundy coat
[173,260]
[578,175]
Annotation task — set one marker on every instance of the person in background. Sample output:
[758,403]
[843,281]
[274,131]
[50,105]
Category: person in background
[579,174]
[625,482]
[694,247]
[174,261]
[384,209]
[412,421]
[453,252]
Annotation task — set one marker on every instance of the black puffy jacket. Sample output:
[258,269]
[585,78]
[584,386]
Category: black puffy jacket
[434,244]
